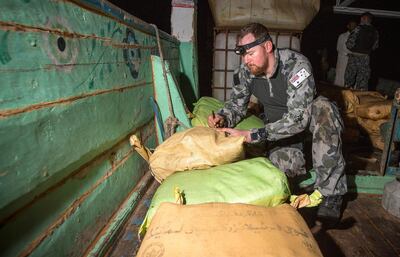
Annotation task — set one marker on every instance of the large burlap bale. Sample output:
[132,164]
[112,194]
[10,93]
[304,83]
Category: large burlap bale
[349,101]
[353,98]
[220,229]
[372,127]
[255,181]
[344,98]
[377,141]
[374,110]
[195,148]
[365,97]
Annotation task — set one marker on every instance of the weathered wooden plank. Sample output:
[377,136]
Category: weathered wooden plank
[73,212]
[345,240]
[128,242]
[88,18]
[43,73]
[46,145]
[75,80]
[90,12]
[365,229]
[168,97]
[355,183]
[387,225]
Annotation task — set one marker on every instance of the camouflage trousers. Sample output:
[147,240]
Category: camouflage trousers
[326,126]
[357,72]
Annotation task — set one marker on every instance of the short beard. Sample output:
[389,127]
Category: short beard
[256,70]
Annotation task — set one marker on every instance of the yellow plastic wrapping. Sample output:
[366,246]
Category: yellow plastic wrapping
[255,181]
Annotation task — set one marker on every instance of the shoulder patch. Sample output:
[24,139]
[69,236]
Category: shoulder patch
[299,77]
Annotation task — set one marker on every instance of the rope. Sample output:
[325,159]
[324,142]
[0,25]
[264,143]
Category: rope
[164,71]
[171,122]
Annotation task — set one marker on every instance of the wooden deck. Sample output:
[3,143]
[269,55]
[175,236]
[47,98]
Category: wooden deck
[366,229]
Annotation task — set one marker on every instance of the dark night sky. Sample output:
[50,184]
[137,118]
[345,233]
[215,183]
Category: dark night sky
[321,33]
[326,27]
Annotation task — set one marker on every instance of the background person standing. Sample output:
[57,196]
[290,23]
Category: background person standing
[342,50]
[361,42]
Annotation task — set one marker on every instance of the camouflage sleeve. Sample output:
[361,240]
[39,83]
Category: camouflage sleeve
[236,108]
[351,41]
[299,103]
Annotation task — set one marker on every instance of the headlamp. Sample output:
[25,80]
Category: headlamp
[241,50]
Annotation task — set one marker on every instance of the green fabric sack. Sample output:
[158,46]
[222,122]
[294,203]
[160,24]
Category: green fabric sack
[253,181]
[204,107]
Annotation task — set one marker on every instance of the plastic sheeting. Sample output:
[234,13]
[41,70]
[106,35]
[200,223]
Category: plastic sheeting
[204,107]
[276,14]
[254,181]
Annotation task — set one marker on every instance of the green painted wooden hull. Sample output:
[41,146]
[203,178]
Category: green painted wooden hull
[75,80]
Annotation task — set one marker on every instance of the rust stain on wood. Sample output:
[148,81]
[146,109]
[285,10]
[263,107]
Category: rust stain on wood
[12,26]
[11,112]
[52,66]
[127,45]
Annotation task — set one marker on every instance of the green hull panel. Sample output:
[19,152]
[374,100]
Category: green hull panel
[76,79]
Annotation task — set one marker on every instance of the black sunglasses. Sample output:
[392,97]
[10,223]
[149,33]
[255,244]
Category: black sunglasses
[241,50]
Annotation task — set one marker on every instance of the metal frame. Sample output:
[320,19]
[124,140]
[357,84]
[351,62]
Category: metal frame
[390,138]
[342,7]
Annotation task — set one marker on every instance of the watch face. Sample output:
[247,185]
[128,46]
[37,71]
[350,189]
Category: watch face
[253,136]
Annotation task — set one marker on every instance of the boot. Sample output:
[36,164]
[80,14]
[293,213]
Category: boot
[330,208]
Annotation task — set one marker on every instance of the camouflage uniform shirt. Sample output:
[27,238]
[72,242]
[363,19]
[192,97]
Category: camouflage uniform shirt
[290,66]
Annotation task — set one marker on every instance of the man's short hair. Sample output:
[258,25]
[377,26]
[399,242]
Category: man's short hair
[368,15]
[257,29]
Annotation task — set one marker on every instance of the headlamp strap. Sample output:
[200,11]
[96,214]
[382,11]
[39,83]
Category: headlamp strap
[240,50]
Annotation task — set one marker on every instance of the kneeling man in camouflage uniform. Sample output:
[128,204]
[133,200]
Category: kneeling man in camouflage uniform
[282,81]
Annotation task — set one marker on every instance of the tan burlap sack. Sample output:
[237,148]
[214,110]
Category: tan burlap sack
[368,96]
[344,98]
[349,101]
[377,141]
[195,148]
[374,110]
[372,127]
[221,229]
[353,98]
